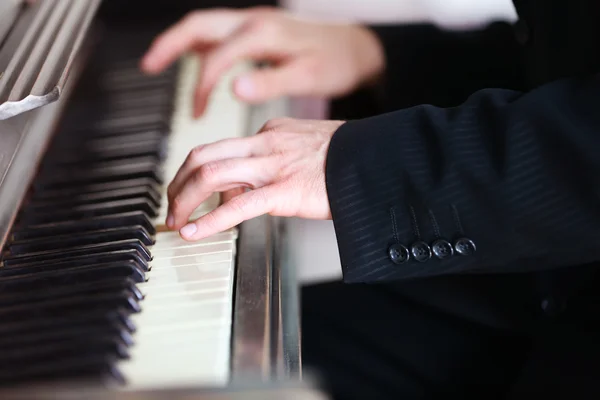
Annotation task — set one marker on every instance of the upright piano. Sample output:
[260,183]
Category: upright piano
[94,291]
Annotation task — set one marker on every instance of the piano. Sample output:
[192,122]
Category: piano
[95,293]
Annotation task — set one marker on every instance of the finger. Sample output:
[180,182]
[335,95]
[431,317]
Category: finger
[214,177]
[291,79]
[239,209]
[196,30]
[200,155]
[252,42]
[230,194]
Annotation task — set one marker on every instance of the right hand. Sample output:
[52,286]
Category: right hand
[307,58]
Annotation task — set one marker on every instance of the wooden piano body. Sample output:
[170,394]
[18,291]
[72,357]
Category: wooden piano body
[85,139]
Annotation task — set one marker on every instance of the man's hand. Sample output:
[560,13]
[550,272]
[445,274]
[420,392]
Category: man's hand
[307,58]
[283,166]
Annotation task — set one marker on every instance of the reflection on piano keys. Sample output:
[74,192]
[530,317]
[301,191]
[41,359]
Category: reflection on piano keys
[93,290]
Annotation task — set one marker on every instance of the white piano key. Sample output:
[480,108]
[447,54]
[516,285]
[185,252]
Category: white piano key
[174,289]
[179,297]
[172,240]
[193,249]
[188,273]
[184,328]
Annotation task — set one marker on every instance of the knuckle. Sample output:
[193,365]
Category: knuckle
[271,139]
[211,221]
[208,171]
[196,153]
[238,204]
[267,24]
[176,203]
[171,191]
[274,123]
[192,16]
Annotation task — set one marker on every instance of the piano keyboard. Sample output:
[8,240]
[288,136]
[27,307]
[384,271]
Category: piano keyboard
[91,286]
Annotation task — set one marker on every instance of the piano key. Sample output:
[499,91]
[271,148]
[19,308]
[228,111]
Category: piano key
[119,151]
[142,167]
[94,304]
[117,318]
[46,291]
[57,349]
[123,122]
[95,188]
[87,225]
[138,100]
[66,334]
[85,238]
[123,263]
[149,192]
[92,371]
[79,253]
[37,215]
[104,160]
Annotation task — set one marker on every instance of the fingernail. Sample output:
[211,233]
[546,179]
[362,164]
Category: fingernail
[245,87]
[170,220]
[188,230]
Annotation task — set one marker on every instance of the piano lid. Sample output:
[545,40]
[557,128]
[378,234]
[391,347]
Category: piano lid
[39,44]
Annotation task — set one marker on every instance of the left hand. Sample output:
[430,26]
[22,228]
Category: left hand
[283,166]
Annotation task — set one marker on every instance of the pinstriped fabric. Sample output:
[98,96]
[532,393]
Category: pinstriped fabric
[520,169]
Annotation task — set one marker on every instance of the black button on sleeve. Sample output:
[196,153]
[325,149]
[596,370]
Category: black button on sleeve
[464,246]
[421,251]
[442,249]
[398,253]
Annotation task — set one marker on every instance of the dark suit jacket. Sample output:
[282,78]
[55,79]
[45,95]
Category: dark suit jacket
[509,180]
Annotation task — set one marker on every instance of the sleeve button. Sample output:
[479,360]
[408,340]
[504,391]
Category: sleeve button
[398,253]
[442,249]
[421,251]
[464,246]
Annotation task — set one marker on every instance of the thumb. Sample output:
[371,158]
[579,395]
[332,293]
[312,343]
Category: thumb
[269,83]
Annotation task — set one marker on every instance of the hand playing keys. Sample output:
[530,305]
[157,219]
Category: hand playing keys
[282,169]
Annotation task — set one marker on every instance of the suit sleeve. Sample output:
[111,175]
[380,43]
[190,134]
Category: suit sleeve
[507,181]
[428,64]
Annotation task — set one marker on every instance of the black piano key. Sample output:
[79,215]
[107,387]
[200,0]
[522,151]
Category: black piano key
[44,215]
[71,264]
[125,263]
[124,122]
[144,167]
[92,304]
[67,333]
[17,266]
[41,277]
[45,291]
[126,150]
[142,100]
[147,191]
[79,253]
[51,351]
[117,318]
[76,279]
[87,225]
[93,370]
[98,189]
[80,239]
[130,80]
[124,130]
[90,143]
